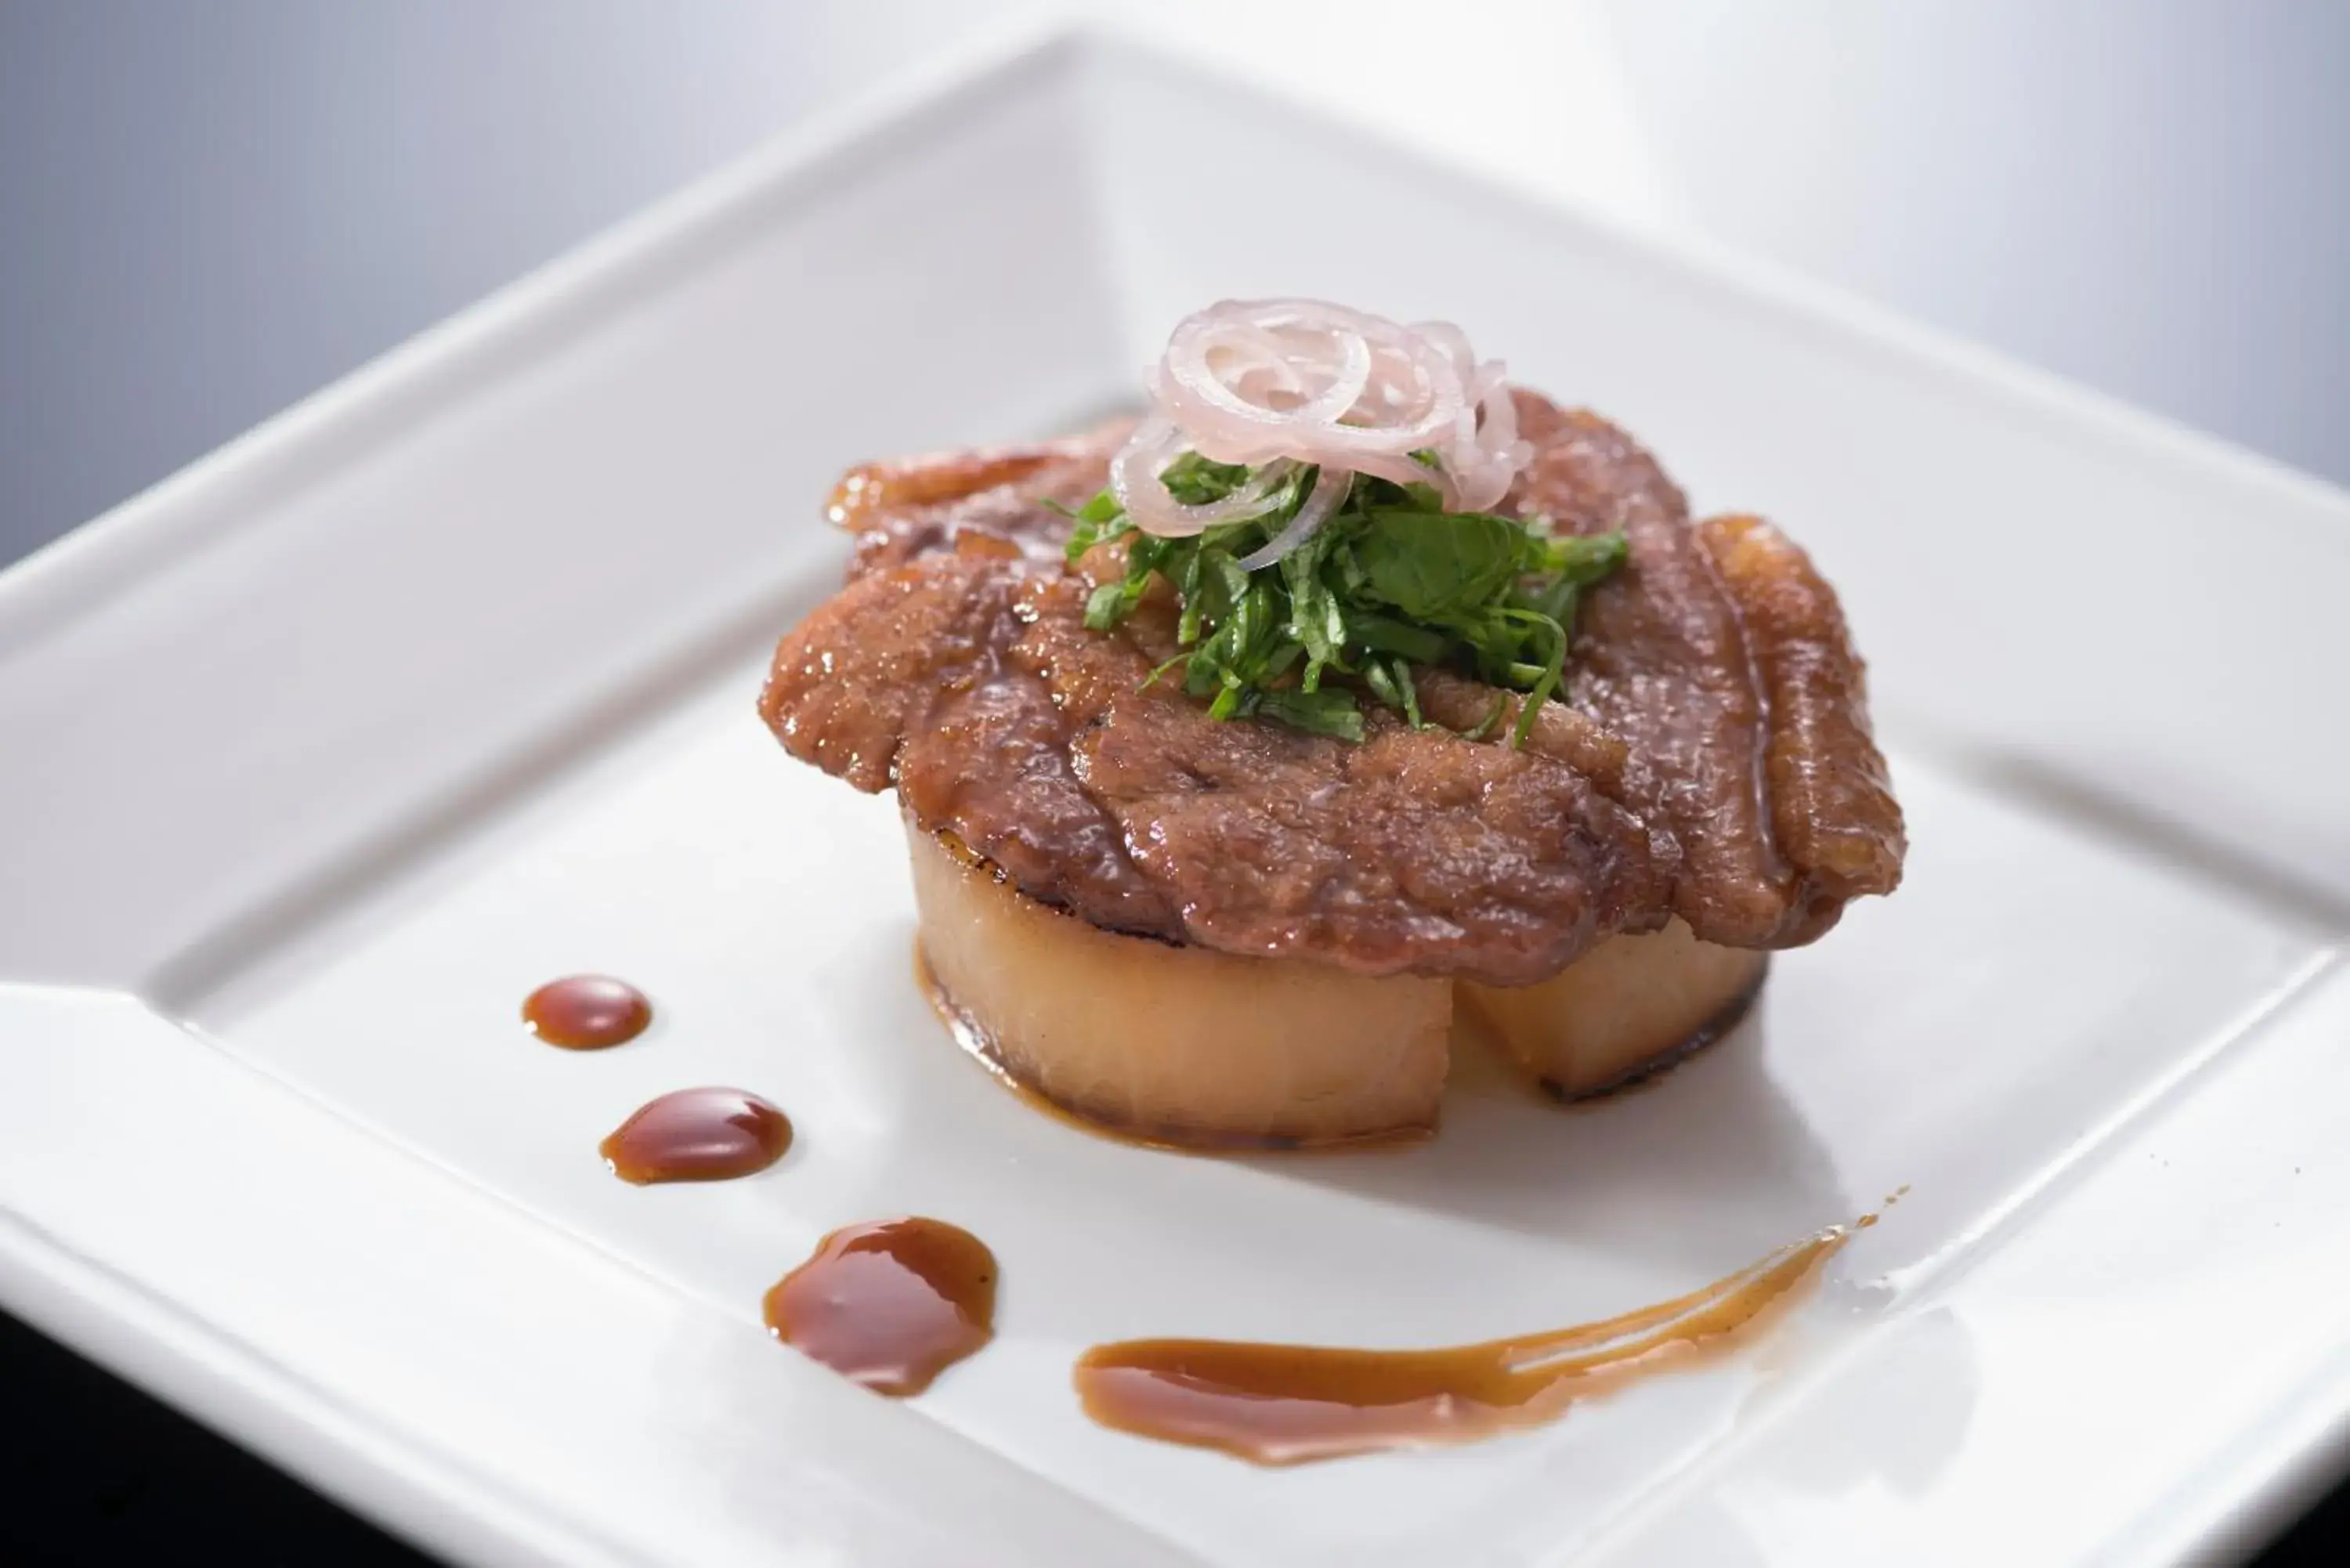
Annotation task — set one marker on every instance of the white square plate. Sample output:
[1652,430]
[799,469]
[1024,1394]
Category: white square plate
[320,756]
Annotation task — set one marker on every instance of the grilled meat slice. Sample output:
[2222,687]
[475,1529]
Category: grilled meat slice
[1715,762]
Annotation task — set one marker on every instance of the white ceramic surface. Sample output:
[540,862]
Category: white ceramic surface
[336,745]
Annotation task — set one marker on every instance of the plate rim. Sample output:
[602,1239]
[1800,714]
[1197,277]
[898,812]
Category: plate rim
[207,1368]
[54,579]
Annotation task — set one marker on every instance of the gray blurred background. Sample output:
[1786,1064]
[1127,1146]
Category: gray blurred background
[210,210]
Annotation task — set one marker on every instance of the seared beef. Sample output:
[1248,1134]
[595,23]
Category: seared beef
[1721,655]
[908,507]
[971,675]
[1833,815]
[1714,763]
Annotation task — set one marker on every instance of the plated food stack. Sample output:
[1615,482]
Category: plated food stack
[1351,691]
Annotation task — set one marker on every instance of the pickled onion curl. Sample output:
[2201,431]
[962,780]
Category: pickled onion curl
[1279,384]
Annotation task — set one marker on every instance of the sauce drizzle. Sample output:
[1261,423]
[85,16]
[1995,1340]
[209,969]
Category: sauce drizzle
[586,1012]
[1287,1404]
[697,1135]
[889,1303]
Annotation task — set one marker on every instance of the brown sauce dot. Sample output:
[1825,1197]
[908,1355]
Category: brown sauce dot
[697,1135]
[586,1012]
[890,1304]
[1286,1404]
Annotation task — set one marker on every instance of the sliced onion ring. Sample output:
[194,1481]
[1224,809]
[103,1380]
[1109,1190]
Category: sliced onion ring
[1134,478]
[1274,383]
[1330,487]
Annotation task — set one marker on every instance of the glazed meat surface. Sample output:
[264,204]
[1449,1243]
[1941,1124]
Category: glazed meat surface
[1714,762]
[897,511]
[1721,657]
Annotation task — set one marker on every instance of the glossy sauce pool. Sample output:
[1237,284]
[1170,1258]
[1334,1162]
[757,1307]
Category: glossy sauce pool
[1286,1404]
[586,1012]
[889,1303]
[697,1135]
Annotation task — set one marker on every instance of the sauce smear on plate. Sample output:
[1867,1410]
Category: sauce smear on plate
[586,1012]
[1286,1404]
[697,1135]
[889,1303]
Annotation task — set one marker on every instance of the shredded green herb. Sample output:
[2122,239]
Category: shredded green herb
[1391,582]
